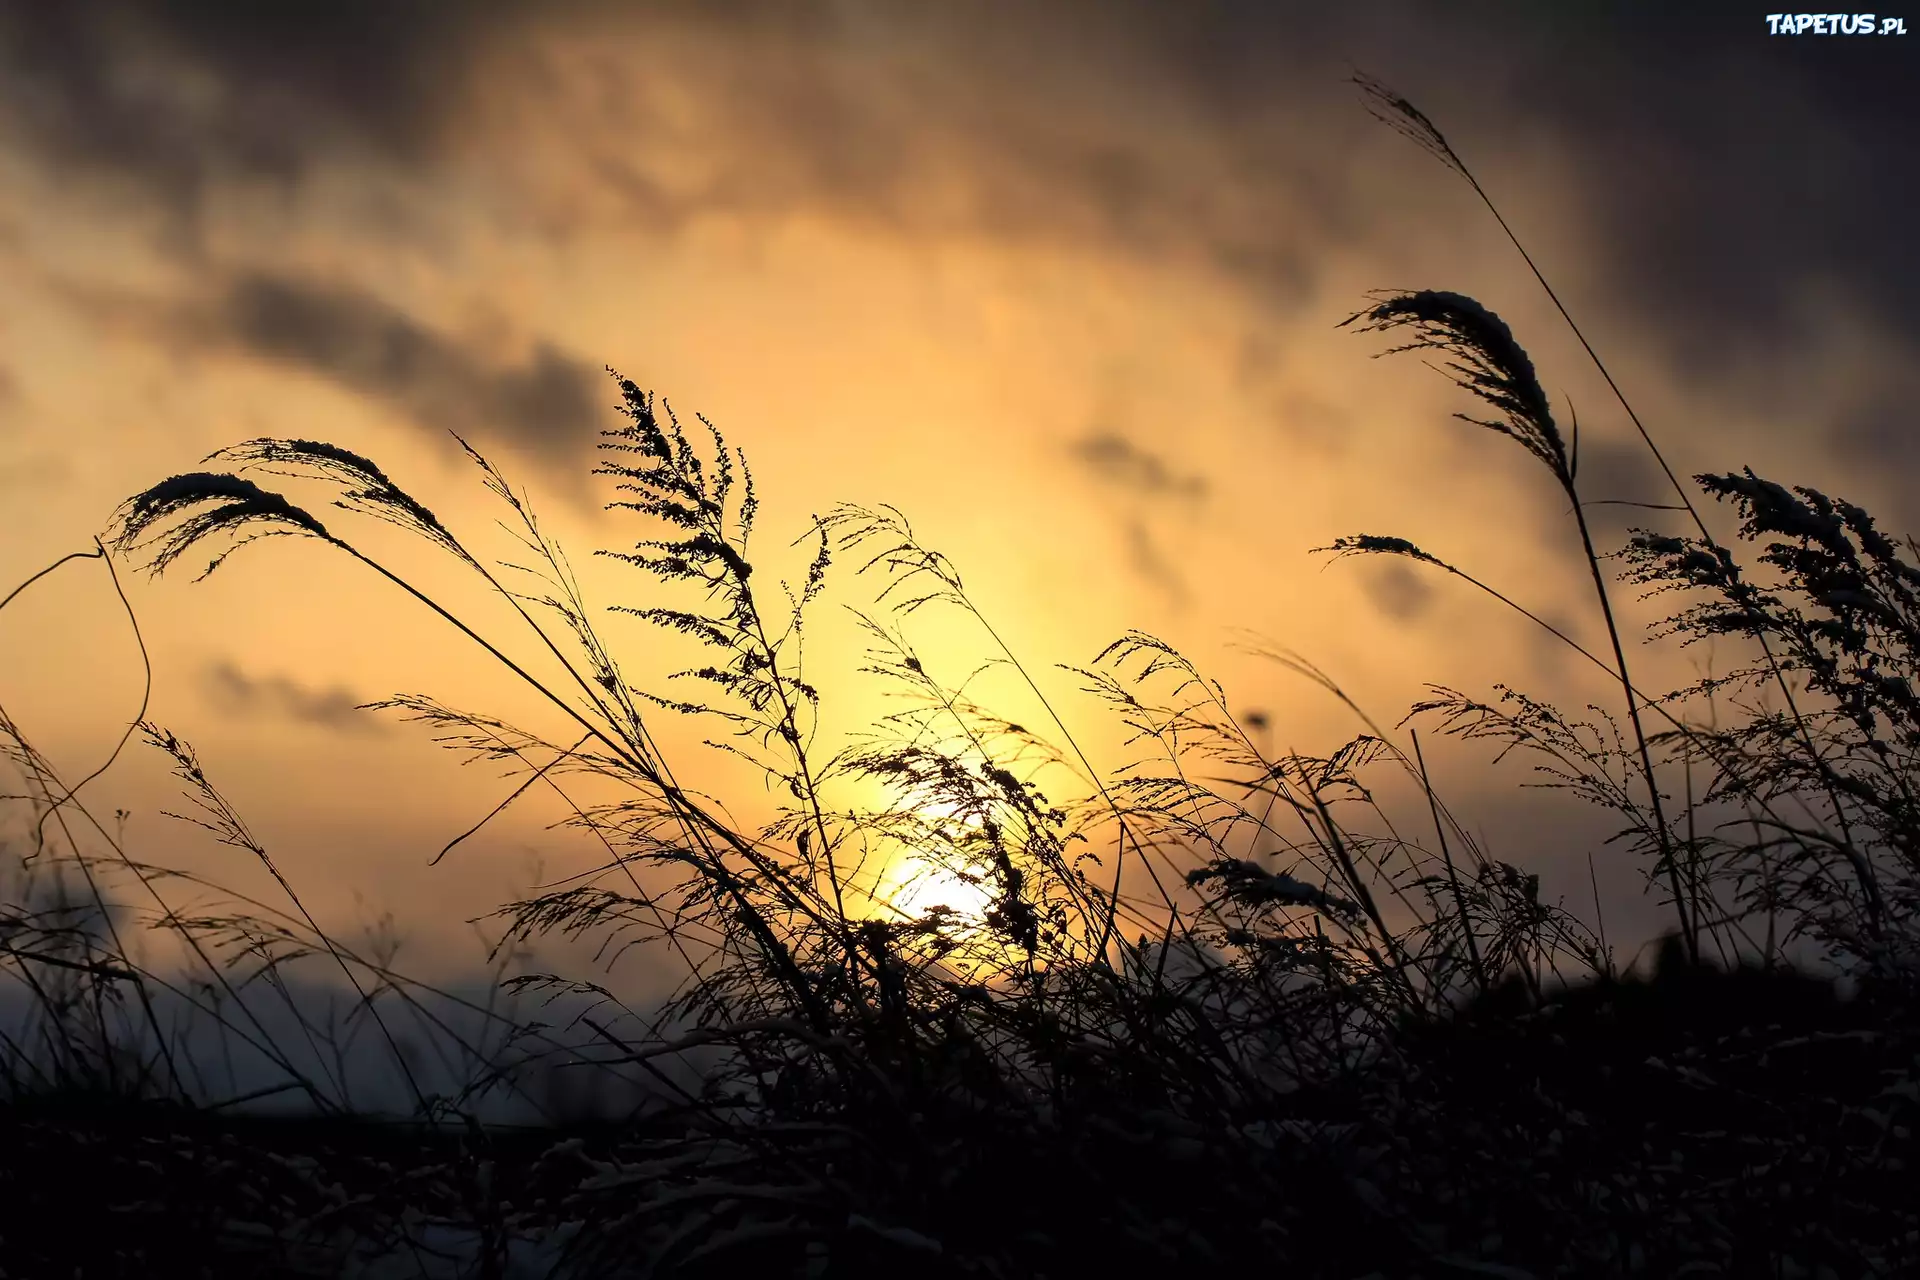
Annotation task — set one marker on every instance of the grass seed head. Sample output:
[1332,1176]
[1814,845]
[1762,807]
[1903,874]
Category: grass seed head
[1487,362]
[367,488]
[239,502]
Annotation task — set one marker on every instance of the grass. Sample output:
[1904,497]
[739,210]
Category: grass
[1217,1009]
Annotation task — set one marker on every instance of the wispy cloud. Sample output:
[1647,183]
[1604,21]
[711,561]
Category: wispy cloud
[1120,462]
[234,692]
[1145,484]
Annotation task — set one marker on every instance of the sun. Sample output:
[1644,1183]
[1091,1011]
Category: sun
[974,951]
[913,886]
[915,883]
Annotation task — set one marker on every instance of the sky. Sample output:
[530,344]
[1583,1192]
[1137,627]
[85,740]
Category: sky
[1061,281]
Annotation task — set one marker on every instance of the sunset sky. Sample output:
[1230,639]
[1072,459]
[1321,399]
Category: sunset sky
[1061,281]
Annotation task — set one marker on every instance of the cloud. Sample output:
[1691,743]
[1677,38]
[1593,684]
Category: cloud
[1309,422]
[234,692]
[1396,589]
[176,94]
[913,120]
[1719,168]
[1617,480]
[1725,170]
[1140,471]
[1153,565]
[1878,431]
[1144,480]
[550,403]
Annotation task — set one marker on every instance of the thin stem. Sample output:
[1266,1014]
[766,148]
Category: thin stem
[1687,928]
[1453,876]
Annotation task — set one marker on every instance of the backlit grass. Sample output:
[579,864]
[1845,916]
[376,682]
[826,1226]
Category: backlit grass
[1217,1009]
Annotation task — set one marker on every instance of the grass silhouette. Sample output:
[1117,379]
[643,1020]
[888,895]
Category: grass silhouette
[1215,1011]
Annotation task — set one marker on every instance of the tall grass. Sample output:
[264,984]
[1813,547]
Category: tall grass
[1207,1009]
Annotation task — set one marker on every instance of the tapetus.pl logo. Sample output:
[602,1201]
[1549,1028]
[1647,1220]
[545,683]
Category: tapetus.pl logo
[1834,24]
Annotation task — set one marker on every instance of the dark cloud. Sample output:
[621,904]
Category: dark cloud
[1619,484]
[1722,169]
[1720,173]
[1119,461]
[1880,429]
[235,692]
[177,93]
[1397,590]
[550,403]
[1726,170]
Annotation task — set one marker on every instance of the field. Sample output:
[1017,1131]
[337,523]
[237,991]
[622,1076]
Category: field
[1145,1023]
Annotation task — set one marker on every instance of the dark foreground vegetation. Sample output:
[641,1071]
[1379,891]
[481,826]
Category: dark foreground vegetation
[1223,1011]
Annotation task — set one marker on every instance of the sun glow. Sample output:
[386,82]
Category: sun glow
[915,882]
[942,864]
[914,886]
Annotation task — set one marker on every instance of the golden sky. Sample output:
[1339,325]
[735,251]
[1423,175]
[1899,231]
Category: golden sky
[1061,281]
